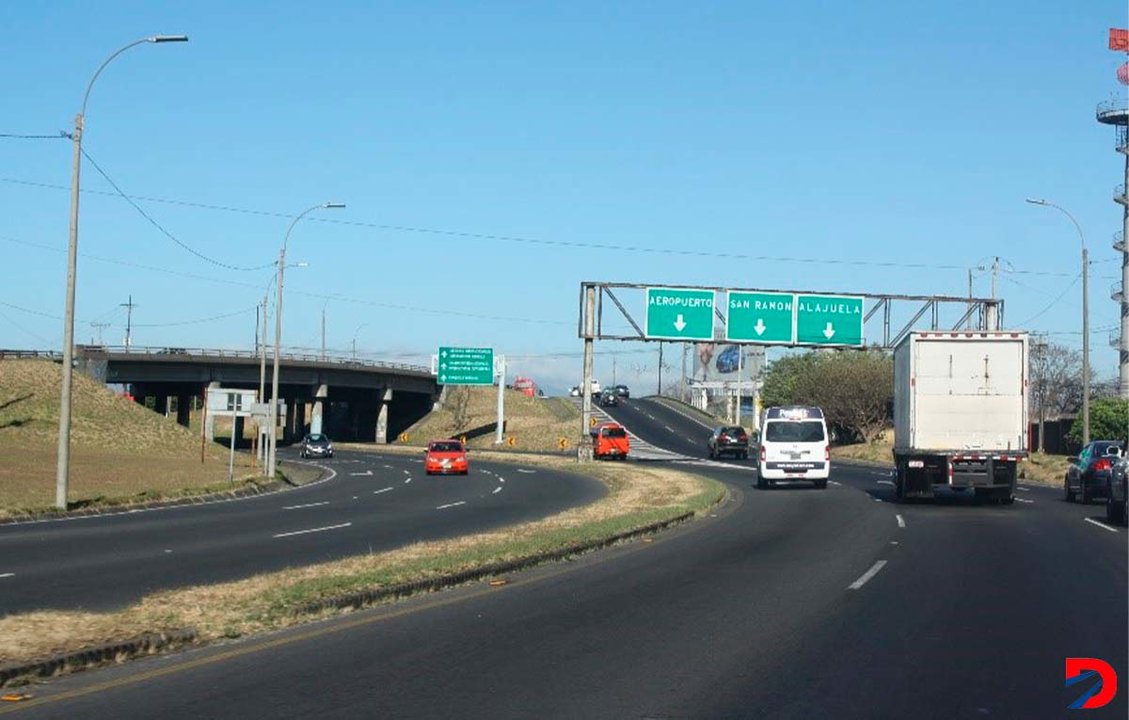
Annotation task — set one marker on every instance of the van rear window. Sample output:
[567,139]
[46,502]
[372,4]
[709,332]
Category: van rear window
[791,431]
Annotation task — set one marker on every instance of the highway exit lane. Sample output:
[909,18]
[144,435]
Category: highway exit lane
[375,503]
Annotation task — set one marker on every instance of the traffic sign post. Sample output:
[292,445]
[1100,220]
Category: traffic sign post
[679,314]
[829,320]
[465,366]
[758,317]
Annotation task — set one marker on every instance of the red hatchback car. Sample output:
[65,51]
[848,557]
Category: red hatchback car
[446,457]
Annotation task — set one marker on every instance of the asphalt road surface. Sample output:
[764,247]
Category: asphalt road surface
[788,603]
[372,502]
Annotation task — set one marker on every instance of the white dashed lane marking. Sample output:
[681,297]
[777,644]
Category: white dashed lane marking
[527,472]
[497,490]
[832,482]
[1023,500]
[7,575]
[867,575]
[884,482]
[307,505]
[1103,526]
[313,530]
[901,521]
[451,505]
[381,490]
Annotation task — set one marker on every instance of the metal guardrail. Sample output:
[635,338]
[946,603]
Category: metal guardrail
[30,355]
[343,360]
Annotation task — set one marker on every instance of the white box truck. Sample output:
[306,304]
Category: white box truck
[960,413]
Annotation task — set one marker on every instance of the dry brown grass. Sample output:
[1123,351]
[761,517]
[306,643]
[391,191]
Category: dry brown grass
[637,496]
[880,451]
[119,449]
[1044,469]
[535,424]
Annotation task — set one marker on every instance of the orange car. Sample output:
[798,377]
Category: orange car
[445,457]
[609,440]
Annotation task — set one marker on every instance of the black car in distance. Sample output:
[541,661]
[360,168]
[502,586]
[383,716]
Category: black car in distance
[1089,474]
[608,398]
[728,440]
[622,391]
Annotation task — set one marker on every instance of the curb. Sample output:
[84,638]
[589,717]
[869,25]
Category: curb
[147,644]
[359,599]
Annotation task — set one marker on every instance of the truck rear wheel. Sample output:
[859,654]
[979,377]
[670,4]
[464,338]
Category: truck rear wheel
[1069,492]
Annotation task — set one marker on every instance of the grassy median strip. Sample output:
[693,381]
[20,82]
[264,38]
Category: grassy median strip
[637,498]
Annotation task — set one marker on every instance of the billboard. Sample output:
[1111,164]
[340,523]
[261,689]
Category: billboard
[718,362]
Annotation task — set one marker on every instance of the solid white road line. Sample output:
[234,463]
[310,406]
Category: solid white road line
[7,575]
[308,505]
[527,472]
[381,490]
[884,482]
[1103,526]
[366,473]
[901,521]
[497,490]
[451,505]
[1022,500]
[866,576]
[313,530]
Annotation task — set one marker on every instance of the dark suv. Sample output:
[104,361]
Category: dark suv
[728,440]
[1089,474]
[316,445]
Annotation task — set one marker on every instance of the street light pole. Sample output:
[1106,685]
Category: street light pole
[272,460]
[63,463]
[355,333]
[1085,318]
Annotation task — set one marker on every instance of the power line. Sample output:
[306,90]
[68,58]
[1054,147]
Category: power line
[161,228]
[1052,303]
[18,136]
[545,243]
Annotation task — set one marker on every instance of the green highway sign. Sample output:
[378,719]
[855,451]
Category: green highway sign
[759,317]
[829,320]
[679,314]
[466,366]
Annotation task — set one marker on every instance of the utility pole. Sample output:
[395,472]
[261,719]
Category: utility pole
[129,306]
[682,381]
[660,390]
[613,371]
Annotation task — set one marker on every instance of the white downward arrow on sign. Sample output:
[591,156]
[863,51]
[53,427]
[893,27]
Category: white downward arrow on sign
[759,327]
[679,323]
[829,331]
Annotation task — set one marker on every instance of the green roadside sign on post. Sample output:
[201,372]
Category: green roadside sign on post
[829,320]
[759,317]
[466,366]
[679,314]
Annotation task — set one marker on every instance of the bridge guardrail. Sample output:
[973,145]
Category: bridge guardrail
[343,360]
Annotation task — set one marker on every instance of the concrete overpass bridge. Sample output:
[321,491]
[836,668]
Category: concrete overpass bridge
[351,399]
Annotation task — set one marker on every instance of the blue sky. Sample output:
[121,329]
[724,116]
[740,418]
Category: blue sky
[808,132]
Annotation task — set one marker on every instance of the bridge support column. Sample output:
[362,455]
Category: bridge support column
[210,422]
[321,396]
[295,419]
[382,417]
[183,409]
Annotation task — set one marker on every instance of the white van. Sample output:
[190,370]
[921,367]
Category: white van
[794,445]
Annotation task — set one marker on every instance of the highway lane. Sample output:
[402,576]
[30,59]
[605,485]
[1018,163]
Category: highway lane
[791,603]
[375,502]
